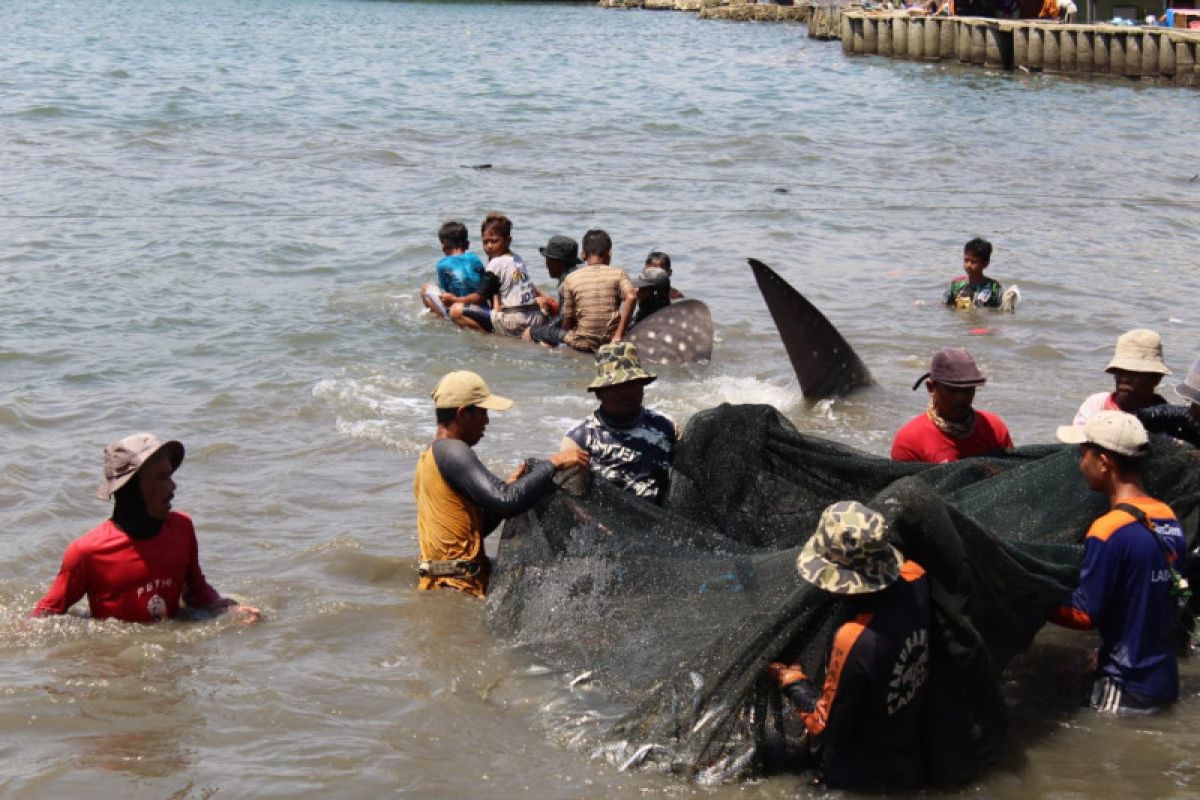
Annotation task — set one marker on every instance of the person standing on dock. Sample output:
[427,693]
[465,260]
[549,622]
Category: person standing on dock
[1137,368]
[951,428]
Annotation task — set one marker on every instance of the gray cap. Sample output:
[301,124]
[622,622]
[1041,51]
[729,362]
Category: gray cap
[1112,430]
[652,276]
[562,248]
[953,366]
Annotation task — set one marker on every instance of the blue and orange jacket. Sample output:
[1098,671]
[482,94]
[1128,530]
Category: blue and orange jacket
[867,716]
[1125,593]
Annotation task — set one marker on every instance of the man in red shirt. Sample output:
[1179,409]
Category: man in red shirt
[950,428]
[141,563]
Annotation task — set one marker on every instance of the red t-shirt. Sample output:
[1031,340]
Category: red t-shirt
[920,440]
[133,580]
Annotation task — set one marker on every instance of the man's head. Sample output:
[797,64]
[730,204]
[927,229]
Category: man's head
[462,400]
[658,260]
[652,281]
[1137,367]
[151,462]
[1111,447]
[1189,390]
[597,245]
[453,236]
[620,381]
[977,253]
[561,253]
[951,381]
[849,554]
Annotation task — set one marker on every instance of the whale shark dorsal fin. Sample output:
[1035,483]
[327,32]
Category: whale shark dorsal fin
[825,363]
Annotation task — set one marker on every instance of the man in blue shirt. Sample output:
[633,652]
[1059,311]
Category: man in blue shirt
[629,444]
[1131,559]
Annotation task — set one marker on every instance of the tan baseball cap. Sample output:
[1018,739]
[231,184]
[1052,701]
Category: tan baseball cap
[1112,430]
[123,459]
[462,388]
[1139,350]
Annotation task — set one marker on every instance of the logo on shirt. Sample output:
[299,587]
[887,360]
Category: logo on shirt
[156,607]
[909,672]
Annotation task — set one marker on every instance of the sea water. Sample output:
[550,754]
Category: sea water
[214,221]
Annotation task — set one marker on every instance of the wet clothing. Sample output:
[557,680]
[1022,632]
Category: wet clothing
[1174,421]
[1104,401]
[985,294]
[592,297]
[507,278]
[133,580]
[867,714]
[655,302]
[459,502]
[635,456]
[1125,593]
[552,333]
[460,274]
[920,440]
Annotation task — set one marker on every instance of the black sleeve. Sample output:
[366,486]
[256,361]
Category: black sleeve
[498,500]
[1171,420]
[489,285]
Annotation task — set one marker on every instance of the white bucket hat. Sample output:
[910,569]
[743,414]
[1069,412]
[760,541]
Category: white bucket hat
[1139,350]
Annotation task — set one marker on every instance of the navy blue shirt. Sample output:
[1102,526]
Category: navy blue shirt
[636,456]
[1125,593]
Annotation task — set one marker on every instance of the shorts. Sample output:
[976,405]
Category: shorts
[550,333]
[514,321]
[480,314]
[1110,697]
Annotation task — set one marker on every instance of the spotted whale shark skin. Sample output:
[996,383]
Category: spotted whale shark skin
[681,333]
[825,363]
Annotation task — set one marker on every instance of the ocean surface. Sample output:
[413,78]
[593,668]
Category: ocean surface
[214,217]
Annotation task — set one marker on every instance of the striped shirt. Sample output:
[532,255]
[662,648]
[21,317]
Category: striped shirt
[592,295]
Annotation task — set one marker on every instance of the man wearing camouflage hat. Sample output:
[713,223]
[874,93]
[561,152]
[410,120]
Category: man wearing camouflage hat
[143,563]
[866,717]
[629,444]
[459,501]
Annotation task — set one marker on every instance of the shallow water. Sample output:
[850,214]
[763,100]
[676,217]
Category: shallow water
[215,216]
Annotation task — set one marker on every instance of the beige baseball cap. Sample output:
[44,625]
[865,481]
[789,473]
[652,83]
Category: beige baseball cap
[123,459]
[1139,350]
[1112,430]
[462,388]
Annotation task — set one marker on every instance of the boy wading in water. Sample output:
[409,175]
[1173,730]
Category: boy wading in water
[973,289]
[505,286]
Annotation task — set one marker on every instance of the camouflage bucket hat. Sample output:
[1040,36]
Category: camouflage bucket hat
[849,553]
[618,363]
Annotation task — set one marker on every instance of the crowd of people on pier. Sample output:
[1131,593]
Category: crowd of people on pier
[142,563]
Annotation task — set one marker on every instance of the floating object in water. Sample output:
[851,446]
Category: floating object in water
[681,333]
[476,166]
[432,295]
[979,331]
[1010,298]
[825,363]
[581,678]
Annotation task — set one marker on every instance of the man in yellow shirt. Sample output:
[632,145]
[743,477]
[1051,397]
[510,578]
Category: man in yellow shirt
[459,501]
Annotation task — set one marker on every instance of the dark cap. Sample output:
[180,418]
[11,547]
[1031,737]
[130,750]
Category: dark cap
[562,248]
[953,366]
[652,276]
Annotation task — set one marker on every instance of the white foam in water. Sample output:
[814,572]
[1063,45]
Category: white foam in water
[380,408]
[712,391]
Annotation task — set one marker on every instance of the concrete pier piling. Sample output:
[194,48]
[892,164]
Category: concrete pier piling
[1165,55]
[1168,55]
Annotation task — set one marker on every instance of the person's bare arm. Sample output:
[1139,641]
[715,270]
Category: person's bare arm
[626,314]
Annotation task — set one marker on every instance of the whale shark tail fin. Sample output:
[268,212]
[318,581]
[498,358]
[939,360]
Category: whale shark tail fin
[825,363]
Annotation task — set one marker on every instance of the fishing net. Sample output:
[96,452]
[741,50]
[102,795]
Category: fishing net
[672,613]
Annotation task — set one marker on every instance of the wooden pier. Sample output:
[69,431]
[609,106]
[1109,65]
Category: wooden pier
[1167,55]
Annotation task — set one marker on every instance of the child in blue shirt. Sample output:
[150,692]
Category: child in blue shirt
[459,272]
